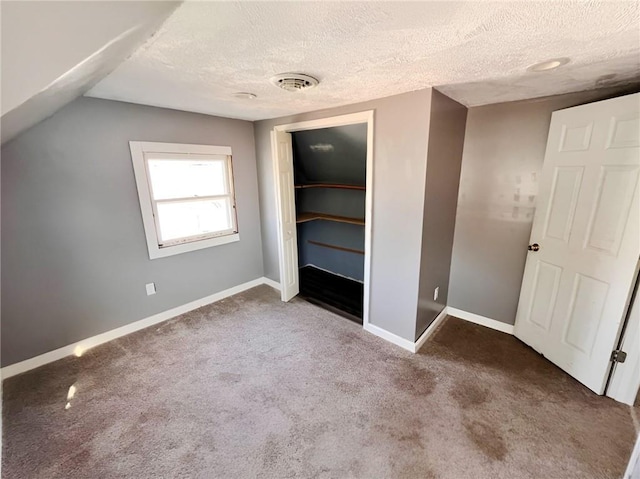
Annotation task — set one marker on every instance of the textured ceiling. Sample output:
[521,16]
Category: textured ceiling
[476,52]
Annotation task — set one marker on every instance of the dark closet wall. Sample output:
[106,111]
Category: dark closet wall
[331,155]
[337,154]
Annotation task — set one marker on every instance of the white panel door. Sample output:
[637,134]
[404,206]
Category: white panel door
[286,208]
[587,225]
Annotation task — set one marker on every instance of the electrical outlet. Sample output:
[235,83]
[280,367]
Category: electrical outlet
[151,289]
[436,292]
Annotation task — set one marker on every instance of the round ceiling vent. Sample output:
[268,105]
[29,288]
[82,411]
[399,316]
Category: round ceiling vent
[294,81]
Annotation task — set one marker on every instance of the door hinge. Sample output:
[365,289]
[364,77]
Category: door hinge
[618,356]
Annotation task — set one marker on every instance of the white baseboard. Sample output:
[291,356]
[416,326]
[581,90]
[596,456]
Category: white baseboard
[405,343]
[80,347]
[481,320]
[269,282]
[392,338]
[447,311]
[633,467]
[430,330]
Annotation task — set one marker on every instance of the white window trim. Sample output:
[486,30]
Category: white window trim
[138,150]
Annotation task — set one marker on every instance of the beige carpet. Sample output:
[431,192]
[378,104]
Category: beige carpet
[252,387]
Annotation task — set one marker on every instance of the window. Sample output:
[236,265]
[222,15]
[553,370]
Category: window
[186,196]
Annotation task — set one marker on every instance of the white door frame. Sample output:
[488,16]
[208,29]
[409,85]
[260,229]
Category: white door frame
[634,462]
[624,384]
[350,119]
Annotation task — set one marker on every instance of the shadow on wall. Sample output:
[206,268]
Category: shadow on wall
[506,265]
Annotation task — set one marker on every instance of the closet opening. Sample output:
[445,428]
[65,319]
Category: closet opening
[323,185]
[330,172]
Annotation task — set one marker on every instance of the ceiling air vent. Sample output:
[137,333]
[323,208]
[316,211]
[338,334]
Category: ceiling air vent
[294,81]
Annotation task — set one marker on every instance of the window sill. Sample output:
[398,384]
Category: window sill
[156,252]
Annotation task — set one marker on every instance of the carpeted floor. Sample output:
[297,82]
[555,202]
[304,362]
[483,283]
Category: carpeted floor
[252,387]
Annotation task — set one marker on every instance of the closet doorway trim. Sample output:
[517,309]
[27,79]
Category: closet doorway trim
[350,119]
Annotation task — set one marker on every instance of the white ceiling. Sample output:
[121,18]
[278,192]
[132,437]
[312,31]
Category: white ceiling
[475,52]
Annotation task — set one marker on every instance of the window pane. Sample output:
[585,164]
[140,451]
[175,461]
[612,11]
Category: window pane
[190,218]
[187,178]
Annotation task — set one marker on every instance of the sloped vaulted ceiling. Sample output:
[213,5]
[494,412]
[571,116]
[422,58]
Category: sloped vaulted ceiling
[53,52]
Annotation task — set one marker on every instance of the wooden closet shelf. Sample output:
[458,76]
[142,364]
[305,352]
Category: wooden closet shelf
[331,185]
[339,248]
[311,216]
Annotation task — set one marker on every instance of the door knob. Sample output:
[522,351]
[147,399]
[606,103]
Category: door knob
[534,247]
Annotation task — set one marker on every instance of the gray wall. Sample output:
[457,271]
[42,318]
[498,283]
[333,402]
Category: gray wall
[444,157]
[74,256]
[399,172]
[503,154]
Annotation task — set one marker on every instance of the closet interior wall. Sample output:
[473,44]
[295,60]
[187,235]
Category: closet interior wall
[330,179]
